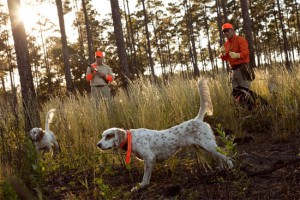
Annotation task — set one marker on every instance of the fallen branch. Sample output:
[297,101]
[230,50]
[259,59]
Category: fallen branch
[268,171]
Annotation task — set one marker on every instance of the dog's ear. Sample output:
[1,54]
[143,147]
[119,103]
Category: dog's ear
[40,135]
[120,135]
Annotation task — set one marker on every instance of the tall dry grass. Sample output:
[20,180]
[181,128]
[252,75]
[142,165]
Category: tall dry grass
[78,123]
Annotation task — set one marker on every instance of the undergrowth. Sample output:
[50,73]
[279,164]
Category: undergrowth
[81,169]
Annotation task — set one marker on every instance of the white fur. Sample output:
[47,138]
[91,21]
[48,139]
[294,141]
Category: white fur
[45,140]
[159,145]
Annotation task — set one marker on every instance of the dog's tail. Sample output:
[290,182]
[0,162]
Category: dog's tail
[205,100]
[49,118]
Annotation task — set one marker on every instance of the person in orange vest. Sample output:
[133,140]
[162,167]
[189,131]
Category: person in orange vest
[99,75]
[236,52]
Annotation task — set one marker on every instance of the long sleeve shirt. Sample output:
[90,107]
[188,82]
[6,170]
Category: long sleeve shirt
[94,77]
[239,45]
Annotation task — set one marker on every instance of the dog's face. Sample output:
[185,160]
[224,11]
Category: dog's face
[112,137]
[36,134]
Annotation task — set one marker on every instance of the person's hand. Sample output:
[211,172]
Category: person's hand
[222,50]
[234,55]
[93,69]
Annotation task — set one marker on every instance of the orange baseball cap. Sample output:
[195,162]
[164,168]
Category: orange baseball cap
[99,54]
[227,26]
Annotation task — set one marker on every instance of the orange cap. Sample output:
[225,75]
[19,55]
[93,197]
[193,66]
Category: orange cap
[99,54]
[227,26]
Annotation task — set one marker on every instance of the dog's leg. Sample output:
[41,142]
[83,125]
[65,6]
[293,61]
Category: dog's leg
[56,148]
[148,167]
[211,147]
[222,158]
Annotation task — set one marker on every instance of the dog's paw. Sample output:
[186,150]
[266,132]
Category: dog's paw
[139,186]
[229,164]
[136,188]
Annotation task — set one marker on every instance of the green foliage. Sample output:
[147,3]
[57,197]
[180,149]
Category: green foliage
[105,190]
[34,163]
[228,140]
[7,191]
[240,179]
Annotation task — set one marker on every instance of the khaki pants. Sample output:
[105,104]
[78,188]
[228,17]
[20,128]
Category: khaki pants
[99,93]
[238,79]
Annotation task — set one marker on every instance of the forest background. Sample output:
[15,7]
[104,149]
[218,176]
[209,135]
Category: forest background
[157,42]
[157,37]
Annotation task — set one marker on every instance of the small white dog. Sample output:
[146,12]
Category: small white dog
[45,140]
[159,145]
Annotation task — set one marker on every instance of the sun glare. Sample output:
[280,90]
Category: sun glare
[29,17]
[45,14]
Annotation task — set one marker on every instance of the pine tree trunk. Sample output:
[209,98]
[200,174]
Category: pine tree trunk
[219,17]
[64,43]
[211,58]
[148,42]
[3,83]
[193,52]
[29,100]
[134,63]
[248,30]
[277,32]
[49,83]
[285,41]
[88,33]
[225,15]
[120,41]
[297,14]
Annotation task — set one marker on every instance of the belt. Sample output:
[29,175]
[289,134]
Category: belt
[234,67]
[98,85]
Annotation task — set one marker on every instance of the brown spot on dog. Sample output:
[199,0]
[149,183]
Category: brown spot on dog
[40,135]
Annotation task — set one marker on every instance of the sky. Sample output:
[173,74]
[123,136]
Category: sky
[49,10]
[32,12]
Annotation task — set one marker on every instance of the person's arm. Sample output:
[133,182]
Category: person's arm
[109,77]
[90,73]
[224,53]
[243,49]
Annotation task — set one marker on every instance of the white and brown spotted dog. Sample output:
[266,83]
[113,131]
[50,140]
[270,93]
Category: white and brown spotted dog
[159,145]
[45,140]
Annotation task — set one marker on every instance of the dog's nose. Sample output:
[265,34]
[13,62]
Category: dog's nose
[99,145]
